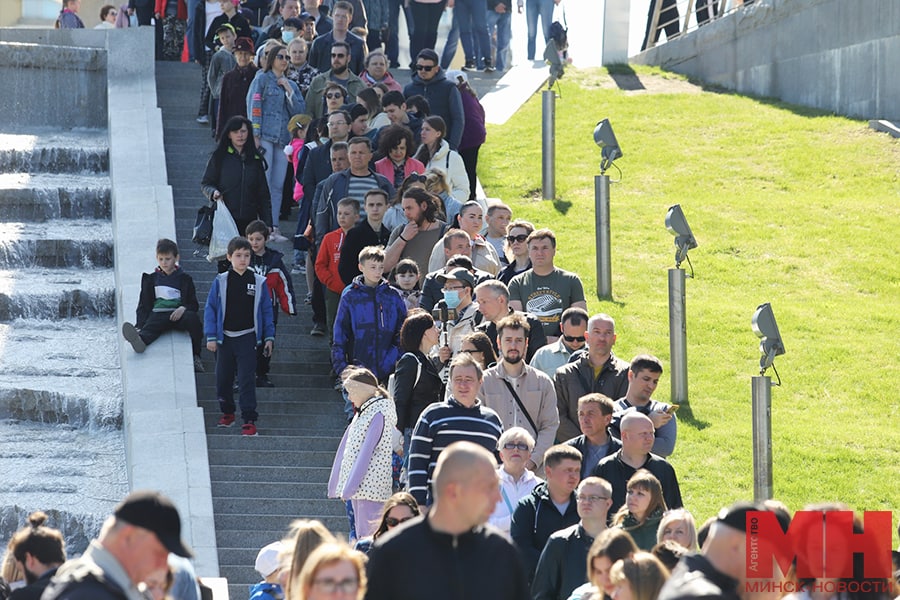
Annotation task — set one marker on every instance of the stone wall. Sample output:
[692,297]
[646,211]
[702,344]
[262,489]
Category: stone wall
[837,55]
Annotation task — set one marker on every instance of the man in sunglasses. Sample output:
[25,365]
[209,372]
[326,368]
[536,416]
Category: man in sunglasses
[549,358]
[643,377]
[320,54]
[442,94]
[339,73]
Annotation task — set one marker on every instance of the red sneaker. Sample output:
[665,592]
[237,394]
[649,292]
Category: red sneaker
[249,430]
[227,420]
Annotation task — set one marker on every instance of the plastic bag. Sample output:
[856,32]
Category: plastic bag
[224,229]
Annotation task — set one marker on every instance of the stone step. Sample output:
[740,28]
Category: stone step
[290,406]
[46,379]
[53,151]
[274,490]
[282,380]
[278,394]
[275,425]
[285,443]
[82,243]
[330,512]
[250,538]
[296,471]
[271,459]
[56,294]
[42,197]
[264,502]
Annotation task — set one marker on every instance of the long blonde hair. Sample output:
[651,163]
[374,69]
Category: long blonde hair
[304,536]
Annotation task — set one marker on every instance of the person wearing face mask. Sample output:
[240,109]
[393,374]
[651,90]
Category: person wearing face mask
[458,295]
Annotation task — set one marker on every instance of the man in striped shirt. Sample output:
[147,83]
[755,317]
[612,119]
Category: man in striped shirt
[460,417]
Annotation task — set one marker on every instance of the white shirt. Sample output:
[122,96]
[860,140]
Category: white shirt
[511,492]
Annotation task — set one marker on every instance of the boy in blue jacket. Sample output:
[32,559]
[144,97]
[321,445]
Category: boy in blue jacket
[369,316]
[238,318]
[168,301]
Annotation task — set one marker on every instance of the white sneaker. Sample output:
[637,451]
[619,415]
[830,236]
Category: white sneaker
[276,236]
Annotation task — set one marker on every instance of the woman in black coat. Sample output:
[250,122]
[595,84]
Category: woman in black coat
[417,382]
[236,175]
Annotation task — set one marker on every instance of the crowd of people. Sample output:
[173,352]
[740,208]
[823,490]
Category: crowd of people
[496,445]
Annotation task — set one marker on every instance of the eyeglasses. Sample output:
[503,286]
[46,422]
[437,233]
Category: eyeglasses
[333,124]
[392,522]
[516,446]
[338,55]
[471,351]
[590,499]
[512,239]
[113,13]
[416,178]
[330,586]
[332,95]
[454,288]
[573,338]
[281,56]
[426,68]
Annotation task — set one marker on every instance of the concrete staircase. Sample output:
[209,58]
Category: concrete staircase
[259,484]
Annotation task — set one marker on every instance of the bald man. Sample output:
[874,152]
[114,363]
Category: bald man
[450,553]
[637,440]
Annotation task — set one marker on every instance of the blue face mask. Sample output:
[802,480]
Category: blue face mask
[451,297]
[287,36]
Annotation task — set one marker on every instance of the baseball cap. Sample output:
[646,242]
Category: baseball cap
[735,516]
[243,44]
[305,16]
[225,26]
[267,559]
[458,274]
[154,512]
[455,75]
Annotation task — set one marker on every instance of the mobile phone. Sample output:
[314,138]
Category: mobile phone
[672,408]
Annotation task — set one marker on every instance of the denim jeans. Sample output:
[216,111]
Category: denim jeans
[392,44]
[277,162]
[191,8]
[502,23]
[451,44]
[237,354]
[533,10]
[473,32]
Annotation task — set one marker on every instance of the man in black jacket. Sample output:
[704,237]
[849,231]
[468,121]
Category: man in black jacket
[449,553]
[39,551]
[550,507]
[134,543]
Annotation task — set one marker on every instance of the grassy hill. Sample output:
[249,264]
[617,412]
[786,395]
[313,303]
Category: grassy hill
[790,206]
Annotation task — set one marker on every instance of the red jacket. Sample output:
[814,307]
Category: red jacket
[386,167]
[328,258]
[181,13]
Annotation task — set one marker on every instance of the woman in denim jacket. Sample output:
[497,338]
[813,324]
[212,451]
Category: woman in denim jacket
[271,102]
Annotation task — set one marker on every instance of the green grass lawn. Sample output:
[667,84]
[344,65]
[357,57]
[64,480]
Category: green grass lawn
[790,206]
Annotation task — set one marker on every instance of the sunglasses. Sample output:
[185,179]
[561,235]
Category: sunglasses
[416,178]
[515,446]
[336,55]
[573,338]
[332,95]
[512,239]
[392,522]
[281,56]
[426,68]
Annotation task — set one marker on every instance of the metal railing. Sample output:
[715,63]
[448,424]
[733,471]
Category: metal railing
[677,17]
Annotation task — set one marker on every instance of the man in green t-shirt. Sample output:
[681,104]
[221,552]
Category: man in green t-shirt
[545,290]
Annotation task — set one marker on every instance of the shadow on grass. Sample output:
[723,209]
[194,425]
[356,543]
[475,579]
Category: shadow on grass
[686,416]
[625,77]
[562,206]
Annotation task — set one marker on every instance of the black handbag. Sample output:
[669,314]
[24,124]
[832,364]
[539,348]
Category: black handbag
[203,226]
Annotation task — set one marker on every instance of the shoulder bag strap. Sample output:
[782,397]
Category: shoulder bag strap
[521,406]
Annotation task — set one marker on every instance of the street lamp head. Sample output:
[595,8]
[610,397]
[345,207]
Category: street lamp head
[766,329]
[678,226]
[609,147]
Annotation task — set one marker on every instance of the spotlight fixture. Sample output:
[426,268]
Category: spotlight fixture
[609,147]
[678,226]
[766,329]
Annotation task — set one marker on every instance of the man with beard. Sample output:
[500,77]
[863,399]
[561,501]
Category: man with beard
[39,551]
[417,238]
[521,395]
[339,73]
[356,47]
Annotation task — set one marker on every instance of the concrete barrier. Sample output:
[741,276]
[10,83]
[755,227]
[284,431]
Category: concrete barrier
[833,55]
[112,84]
